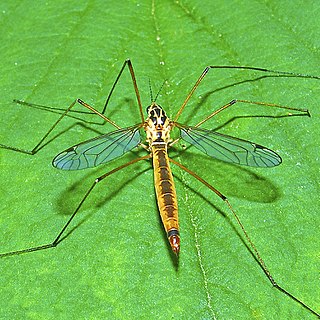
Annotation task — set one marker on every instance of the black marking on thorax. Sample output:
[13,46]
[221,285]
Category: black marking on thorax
[157,125]
[157,115]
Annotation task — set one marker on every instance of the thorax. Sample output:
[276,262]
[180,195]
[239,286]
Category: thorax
[157,126]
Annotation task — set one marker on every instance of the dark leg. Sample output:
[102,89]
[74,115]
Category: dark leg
[134,81]
[253,247]
[302,112]
[39,145]
[57,240]
[206,70]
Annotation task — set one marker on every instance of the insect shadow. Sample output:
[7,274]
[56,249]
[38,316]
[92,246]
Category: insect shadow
[157,127]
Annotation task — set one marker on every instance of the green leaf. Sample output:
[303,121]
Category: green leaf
[116,263]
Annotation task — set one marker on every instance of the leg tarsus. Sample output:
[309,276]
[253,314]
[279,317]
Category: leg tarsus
[206,70]
[134,82]
[57,240]
[252,246]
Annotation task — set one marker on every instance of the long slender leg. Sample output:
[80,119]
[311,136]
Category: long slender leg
[206,70]
[38,145]
[55,110]
[101,114]
[134,81]
[253,247]
[303,112]
[57,240]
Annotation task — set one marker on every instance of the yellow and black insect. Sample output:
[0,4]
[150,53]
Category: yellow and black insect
[157,127]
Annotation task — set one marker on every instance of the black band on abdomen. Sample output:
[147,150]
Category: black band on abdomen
[173,232]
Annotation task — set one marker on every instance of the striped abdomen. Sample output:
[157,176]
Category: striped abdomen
[166,194]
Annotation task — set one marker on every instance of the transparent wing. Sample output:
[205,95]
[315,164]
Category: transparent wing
[229,149]
[93,152]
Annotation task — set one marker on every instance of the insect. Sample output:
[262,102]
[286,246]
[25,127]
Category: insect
[158,127]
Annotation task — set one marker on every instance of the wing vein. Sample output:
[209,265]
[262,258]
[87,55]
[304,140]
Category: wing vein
[228,148]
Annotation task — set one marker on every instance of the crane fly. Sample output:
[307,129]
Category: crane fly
[158,127]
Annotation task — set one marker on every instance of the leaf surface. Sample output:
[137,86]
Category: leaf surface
[115,261]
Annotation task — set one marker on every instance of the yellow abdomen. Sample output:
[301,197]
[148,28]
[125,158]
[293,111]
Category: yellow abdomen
[166,194]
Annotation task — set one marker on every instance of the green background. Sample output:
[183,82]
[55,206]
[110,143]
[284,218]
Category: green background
[116,264]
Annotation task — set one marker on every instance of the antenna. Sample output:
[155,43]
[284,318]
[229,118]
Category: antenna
[150,89]
[159,90]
